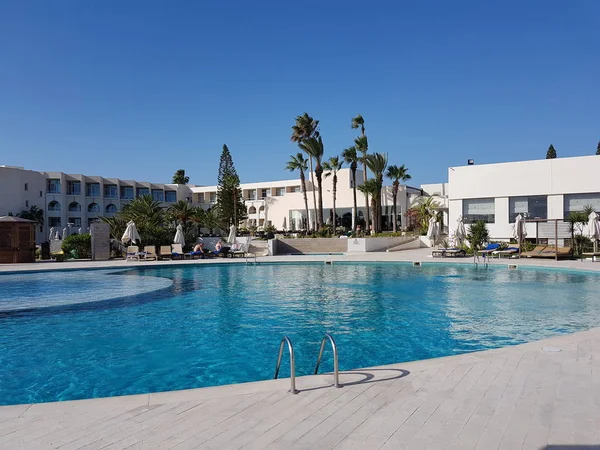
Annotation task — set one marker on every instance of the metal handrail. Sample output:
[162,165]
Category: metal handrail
[336,375]
[292,363]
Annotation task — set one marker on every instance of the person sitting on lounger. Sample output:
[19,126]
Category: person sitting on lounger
[198,250]
[218,247]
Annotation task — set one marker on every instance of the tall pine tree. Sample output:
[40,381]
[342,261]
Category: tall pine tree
[598,149]
[230,206]
[551,153]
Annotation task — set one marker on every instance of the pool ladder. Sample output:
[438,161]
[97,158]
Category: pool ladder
[287,340]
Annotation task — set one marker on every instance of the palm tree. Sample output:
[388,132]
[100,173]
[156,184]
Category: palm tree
[396,174]
[144,211]
[351,157]
[181,212]
[211,220]
[116,226]
[299,163]
[314,148]
[369,187]
[332,166]
[362,145]
[34,213]
[180,178]
[357,122]
[307,127]
[426,209]
[377,163]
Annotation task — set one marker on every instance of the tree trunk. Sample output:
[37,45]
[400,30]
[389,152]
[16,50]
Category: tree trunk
[334,213]
[354,195]
[303,183]
[319,172]
[312,177]
[394,214]
[366,199]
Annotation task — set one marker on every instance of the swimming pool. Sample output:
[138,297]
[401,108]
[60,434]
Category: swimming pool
[176,327]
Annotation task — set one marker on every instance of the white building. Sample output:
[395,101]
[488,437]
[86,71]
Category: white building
[539,189]
[75,200]
[281,203]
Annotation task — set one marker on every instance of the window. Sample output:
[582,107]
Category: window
[199,197]
[127,192]
[74,206]
[26,203]
[54,206]
[279,192]
[73,187]
[578,202]
[170,196]
[111,209]
[264,193]
[143,191]
[53,186]
[296,189]
[261,209]
[93,207]
[54,221]
[26,186]
[252,195]
[158,195]
[74,221]
[479,209]
[252,210]
[92,189]
[41,194]
[213,197]
[111,191]
[529,207]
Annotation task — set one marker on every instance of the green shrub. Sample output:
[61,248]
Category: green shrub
[78,246]
[478,234]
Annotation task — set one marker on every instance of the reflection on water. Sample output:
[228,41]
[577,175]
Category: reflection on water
[217,324]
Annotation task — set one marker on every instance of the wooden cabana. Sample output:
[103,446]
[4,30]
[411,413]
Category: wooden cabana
[17,240]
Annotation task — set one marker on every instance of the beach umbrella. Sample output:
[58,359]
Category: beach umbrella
[231,237]
[433,229]
[594,228]
[57,236]
[461,232]
[179,239]
[520,231]
[52,233]
[131,233]
[65,232]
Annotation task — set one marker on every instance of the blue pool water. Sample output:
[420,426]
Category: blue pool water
[82,334]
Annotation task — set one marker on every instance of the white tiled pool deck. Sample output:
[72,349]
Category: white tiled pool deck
[509,398]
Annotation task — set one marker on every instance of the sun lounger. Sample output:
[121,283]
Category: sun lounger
[509,252]
[238,250]
[177,252]
[535,252]
[133,252]
[594,255]
[164,252]
[448,252]
[150,253]
[550,252]
[489,249]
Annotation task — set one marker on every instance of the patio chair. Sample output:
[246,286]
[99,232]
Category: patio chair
[150,253]
[133,252]
[535,252]
[238,250]
[164,252]
[509,252]
[177,252]
[489,249]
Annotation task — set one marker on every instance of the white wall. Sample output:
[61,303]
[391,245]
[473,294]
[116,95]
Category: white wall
[550,177]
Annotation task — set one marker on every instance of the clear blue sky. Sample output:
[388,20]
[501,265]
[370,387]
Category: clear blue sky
[138,89]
